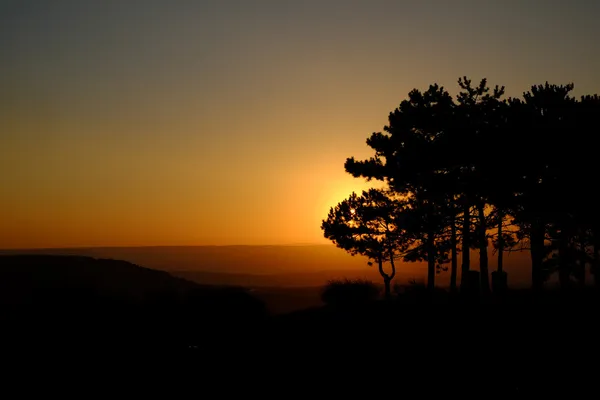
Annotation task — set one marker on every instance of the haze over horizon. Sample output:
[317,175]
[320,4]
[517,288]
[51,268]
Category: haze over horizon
[145,123]
[173,246]
[276,265]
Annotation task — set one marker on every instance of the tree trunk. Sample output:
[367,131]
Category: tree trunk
[430,263]
[582,260]
[386,278]
[387,293]
[391,276]
[564,274]
[393,265]
[596,265]
[500,243]
[483,247]
[466,244]
[499,278]
[537,236]
[454,266]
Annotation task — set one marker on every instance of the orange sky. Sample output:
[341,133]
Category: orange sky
[225,122]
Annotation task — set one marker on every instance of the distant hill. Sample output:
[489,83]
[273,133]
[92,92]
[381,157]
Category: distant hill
[24,276]
[286,266]
[73,300]
[72,282]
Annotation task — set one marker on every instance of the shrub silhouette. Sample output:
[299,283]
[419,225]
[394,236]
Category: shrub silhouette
[349,293]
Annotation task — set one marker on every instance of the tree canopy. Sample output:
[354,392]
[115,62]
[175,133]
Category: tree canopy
[461,171]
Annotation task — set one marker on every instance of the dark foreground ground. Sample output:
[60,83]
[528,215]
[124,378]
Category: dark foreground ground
[90,324]
[450,346]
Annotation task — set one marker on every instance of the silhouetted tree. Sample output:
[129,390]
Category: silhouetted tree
[426,222]
[586,125]
[410,157]
[504,240]
[538,125]
[369,225]
[477,127]
[447,161]
[453,250]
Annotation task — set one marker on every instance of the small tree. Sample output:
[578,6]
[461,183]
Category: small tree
[369,225]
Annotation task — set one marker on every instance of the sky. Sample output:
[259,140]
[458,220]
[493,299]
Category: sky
[173,122]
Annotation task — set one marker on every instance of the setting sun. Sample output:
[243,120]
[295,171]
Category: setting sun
[221,124]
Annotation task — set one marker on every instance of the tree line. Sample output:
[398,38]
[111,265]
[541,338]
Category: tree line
[475,171]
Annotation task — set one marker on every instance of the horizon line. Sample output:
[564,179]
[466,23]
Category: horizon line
[164,246]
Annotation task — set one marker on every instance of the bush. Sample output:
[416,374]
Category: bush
[349,293]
